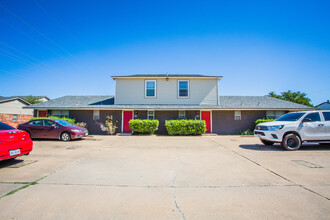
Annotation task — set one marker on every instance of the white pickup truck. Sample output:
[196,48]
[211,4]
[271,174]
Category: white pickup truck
[293,129]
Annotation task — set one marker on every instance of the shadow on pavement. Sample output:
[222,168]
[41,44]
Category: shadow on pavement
[47,140]
[10,162]
[278,147]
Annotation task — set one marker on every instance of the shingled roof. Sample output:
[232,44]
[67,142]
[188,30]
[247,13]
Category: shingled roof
[167,76]
[225,102]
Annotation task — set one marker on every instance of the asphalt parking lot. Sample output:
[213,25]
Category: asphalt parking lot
[161,177]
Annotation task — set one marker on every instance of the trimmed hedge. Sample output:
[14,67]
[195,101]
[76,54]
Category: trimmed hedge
[144,126]
[70,120]
[262,120]
[185,127]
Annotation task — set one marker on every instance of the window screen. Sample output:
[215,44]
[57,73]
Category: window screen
[183,88]
[182,114]
[150,88]
[151,115]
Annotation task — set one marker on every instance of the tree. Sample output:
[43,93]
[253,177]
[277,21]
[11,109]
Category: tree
[297,97]
[32,99]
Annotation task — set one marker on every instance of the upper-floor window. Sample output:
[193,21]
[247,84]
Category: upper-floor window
[183,88]
[150,88]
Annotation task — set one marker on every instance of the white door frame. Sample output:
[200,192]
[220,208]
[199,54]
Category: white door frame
[122,119]
[207,110]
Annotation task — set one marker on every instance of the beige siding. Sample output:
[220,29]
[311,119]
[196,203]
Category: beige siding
[202,91]
[14,107]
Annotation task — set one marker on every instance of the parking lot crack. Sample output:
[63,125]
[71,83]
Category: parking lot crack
[175,198]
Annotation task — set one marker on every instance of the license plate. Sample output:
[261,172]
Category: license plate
[86,133]
[14,152]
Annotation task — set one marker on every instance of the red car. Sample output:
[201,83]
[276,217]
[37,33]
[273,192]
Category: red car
[13,142]
[53,129]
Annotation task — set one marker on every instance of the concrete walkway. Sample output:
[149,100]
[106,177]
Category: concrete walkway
[160,177]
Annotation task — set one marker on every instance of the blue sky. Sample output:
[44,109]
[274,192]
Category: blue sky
[66,47]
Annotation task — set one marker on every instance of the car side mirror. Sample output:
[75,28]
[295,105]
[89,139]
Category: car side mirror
[53,126]
[307,120]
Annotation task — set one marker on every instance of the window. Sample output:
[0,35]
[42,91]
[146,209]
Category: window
[183,88]
[14,117]
[36,123]
[50,123]
[150,88]
[237,115]
[274,114]
[326,116]
[182,114]
[60,113]
[4,127]
[96,115]
[314,116]
[151,114]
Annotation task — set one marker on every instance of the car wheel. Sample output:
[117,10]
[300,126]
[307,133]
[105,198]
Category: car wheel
[269,143]
[291,142]
[65,136]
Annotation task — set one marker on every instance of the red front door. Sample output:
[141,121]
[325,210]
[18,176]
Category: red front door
[127,116]
[206,116]
[42,113]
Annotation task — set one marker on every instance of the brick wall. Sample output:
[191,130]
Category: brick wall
[8,119]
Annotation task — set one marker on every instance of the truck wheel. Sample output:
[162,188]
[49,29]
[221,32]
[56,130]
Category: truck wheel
[269,143]
[65,136]
[291,142]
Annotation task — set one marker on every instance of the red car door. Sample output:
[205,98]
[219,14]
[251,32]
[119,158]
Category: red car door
[51,129]
[35,128]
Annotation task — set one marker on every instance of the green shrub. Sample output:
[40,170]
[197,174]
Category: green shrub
[185,127]
[143,126]
[70,120]
[245,132]
[264,120]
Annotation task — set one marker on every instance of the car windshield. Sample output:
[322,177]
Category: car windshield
[62,122]
[291,116]
[4,127]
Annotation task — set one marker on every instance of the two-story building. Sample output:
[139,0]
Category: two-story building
[165,97]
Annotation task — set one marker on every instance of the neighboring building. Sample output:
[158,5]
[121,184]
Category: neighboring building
[165,97]
[324,105]
[12,112]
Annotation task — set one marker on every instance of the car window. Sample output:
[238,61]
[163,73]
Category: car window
[314,116]
[36,123]
[326,116]
[295,116]
[49,123]
[62,122]
[4,127]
